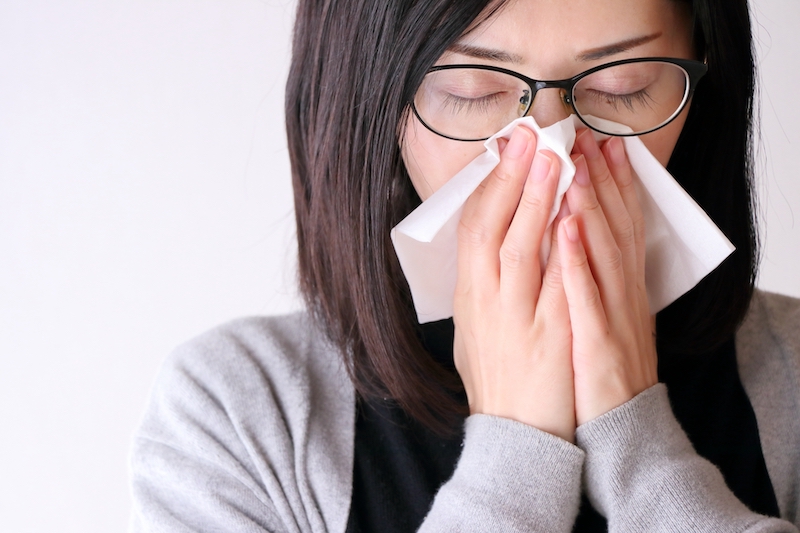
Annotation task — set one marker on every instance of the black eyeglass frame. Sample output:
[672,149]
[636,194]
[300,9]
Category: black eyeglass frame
[694,70]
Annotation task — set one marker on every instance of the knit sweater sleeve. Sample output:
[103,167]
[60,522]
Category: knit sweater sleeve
[511,477]
[643,474]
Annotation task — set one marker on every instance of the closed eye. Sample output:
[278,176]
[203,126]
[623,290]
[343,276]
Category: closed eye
[632,101]
[484,103]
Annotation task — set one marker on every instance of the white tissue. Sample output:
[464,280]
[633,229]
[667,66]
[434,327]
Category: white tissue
[683,244]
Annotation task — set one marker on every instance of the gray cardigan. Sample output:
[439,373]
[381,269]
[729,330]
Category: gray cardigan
[250,428]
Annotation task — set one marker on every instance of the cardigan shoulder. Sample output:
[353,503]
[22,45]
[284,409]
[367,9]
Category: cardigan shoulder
[250,423]
[768,355]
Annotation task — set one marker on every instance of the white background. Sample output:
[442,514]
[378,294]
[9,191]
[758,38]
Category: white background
[145,197]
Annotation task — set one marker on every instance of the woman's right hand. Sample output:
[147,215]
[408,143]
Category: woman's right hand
[512,343]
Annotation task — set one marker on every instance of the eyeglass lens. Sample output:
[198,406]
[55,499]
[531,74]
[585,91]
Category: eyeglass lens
[473,104]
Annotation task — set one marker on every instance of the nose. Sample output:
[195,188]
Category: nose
[549,107]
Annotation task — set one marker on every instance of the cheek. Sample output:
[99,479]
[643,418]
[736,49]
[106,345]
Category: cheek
[430,159]
[662,142]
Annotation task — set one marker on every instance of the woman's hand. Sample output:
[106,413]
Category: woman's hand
[602,248]
[512,337]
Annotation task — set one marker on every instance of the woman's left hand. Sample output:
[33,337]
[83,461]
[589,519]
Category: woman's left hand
[603,261]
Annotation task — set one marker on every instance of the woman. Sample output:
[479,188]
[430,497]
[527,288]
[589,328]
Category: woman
[258,426]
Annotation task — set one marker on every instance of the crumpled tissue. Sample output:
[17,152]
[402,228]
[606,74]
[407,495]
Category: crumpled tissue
[683,245]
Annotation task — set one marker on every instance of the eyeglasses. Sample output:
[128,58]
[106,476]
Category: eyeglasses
[623,98]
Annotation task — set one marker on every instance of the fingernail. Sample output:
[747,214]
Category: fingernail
[616,151]
[541,166]
[518,143]
[588,144]
[571,228]
[582,171]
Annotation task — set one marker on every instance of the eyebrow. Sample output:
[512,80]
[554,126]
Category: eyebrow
[492,54]
[479,52]
[616,48]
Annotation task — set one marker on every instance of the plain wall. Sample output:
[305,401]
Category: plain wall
[145,197]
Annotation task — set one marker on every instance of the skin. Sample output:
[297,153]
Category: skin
[555,347]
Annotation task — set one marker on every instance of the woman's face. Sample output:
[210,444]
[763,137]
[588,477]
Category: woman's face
[547,40]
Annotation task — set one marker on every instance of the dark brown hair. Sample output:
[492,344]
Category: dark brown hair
[356,65]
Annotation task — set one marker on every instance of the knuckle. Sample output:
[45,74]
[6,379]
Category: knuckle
[638,223]
[603,177]
[624,177]
[553,262]
[579,261]
[613,259]
[586,202]
[503,175]
[473,233]
[512,256]
[626,232]
[591,299]
[551,282]
[533,202]
[592,205]
[468,298]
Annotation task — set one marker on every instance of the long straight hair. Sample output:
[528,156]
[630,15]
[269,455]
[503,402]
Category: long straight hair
[356,65]
[713,161]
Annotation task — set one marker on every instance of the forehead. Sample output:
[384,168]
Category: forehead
[550,38]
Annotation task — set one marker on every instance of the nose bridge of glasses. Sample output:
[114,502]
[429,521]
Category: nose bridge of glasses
[551,104]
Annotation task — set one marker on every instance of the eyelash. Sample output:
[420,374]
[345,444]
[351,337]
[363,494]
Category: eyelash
[458,103]
[628,100]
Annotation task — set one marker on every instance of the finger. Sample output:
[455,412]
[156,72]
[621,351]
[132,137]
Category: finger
[520,271]
[550,235]
[474,199]
[552,311]
[610,199]
[487,216]
[463,257]
[552,300]
[604,256]
[614,150]
[585,305]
